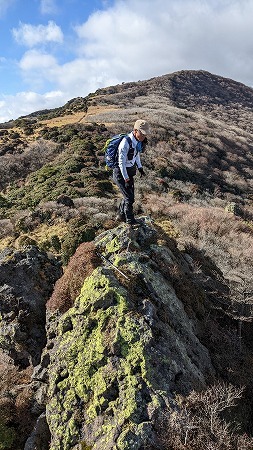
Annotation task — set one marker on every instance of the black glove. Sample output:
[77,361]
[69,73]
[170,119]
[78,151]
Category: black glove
[141,172]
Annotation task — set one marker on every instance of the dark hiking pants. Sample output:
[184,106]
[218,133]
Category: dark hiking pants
[126,205]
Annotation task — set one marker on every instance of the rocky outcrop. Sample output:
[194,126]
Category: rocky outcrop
[26,282]
[125,348]
[26,279]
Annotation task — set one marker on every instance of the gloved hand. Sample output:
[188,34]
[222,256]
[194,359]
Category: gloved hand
[141,172]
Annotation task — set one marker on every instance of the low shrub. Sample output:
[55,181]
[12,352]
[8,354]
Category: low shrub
[68,287]
[77,234]
[199,421]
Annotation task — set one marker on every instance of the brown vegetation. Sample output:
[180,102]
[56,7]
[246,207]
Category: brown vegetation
[203,420]
[68,287]
[222,236]
[18,166]
[15,403]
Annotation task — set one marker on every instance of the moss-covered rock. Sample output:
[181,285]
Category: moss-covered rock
[105,366]
[121,351]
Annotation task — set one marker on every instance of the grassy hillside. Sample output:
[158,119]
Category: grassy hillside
[198,163]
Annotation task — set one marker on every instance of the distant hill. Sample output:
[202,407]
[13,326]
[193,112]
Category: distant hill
[202,124]
[196,91]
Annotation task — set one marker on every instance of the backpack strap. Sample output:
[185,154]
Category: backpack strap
[130,153]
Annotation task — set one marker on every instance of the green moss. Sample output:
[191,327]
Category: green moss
[111,242]
[103,325]
[7,436]
[84,446]
[127,440]
[113,245]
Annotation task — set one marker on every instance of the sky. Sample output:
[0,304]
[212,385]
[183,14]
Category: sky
[54,50]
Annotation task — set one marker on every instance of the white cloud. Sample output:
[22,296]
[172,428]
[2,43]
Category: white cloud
[36,60]
[78,77]
[23,103]
[48,7]
[147,38]
[31,36]
[138,39]
[38,69]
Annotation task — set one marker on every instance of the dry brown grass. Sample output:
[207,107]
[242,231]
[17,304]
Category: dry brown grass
[68,287]
[198,423]
[93,111]
[220,235]
[63,120]
[15,400]
[77,117]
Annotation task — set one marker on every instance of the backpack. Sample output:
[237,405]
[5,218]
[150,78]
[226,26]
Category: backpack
[111,149]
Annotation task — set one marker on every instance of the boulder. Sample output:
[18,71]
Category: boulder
[27,278]
[124,349]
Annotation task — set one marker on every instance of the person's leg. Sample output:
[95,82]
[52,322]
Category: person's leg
[121,212]
[129,201]
[126,205]
[119,181]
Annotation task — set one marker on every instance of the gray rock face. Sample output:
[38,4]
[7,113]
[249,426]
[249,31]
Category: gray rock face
[123,351]
[40,436]
[26,281]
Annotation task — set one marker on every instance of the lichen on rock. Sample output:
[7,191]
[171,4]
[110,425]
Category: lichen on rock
[121,351]
[103,361]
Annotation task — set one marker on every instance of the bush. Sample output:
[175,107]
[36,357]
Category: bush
[199,422]
[3,202]
[25,241]
[17,166]
[56,243]
[68,287]
[7,436]
[76,235]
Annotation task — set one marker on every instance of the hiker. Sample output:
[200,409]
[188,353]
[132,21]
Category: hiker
[124,172]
